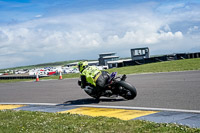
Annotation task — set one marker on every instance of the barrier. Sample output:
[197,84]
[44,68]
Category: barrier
[10,77]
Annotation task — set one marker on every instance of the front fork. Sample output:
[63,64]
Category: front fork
[123,78]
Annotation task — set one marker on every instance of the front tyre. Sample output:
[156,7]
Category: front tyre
[126,90]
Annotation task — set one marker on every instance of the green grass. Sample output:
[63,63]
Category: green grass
[168,66]
[38,122]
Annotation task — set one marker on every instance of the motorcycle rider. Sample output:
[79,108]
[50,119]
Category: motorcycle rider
[93,77]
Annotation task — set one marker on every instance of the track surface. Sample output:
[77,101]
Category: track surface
[175,90]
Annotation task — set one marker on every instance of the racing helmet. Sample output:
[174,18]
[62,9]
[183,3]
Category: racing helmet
[82,65]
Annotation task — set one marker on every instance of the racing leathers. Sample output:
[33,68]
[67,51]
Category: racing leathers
[95,78]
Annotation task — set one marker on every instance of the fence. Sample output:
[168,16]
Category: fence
[162,58]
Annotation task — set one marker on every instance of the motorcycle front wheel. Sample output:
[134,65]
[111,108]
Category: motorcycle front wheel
[126,90]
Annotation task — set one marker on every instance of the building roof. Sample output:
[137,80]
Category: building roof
[109,53]
[140,48]
[110,57]
[118,61]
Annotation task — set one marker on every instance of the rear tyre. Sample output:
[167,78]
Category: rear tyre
[126,90]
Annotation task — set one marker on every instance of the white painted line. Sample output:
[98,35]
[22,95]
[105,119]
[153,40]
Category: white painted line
[115,107]
[53,104]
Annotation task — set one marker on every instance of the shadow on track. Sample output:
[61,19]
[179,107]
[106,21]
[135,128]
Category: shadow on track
[90,101]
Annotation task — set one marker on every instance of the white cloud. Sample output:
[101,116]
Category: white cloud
[168,7]
[170,35]
[10,61]
[192,29]
[38,16]
[79,35]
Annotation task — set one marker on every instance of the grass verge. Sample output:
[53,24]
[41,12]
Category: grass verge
[26,121]
[167,66]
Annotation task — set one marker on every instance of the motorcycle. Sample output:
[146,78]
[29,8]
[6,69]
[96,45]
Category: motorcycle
[115,86]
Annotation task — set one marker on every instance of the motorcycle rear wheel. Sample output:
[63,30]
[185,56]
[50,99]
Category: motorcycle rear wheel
[127,91]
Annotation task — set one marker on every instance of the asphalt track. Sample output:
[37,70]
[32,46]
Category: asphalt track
[174,94]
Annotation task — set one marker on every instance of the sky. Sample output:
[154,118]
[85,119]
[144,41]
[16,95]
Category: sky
[43,31]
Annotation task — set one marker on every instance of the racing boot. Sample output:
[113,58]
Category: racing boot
[123,77]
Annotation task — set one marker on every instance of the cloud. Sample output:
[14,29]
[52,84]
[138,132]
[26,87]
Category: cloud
[38,16]
[85,35]
[10,61]
[170,7]
[193,29]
